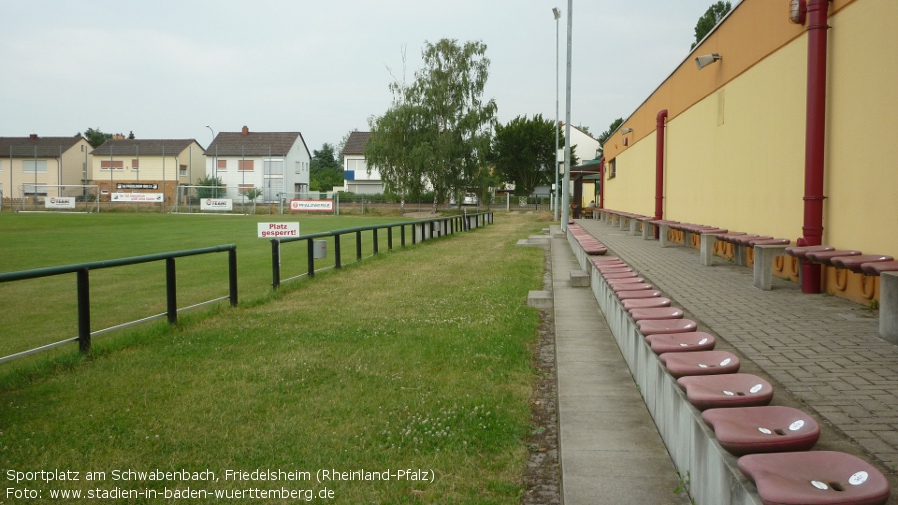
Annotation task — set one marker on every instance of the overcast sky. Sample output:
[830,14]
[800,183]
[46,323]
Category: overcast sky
[166,69]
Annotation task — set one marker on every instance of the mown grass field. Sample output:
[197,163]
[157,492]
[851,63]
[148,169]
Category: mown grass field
[418,359]
[41,311]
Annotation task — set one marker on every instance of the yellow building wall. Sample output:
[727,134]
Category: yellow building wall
[861,209]
[735,146]
[736,159]
[633,187]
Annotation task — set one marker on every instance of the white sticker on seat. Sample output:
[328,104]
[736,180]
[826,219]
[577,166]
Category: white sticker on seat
[702,365]
[703,341]
[819,485]
[729,393]
[858,478]
[725,362]
[756,388]
[765,431]
[797,425]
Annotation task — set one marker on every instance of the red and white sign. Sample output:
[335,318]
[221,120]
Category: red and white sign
[137,197]
[217,204]
[297,205]
[278,230]
[60,202]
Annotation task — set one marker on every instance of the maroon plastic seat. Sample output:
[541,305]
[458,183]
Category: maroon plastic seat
[801,251]
[617,288]
[726,390]
[645,303]
[681,342]
[682,364]
[854,263]
[619,275]
[729,236]
[749,430]
[640,293]
[815,478]
[658,222]
[770,241]
[879,267]
[614,269]
[654,327]
[826,257]
[656,313]
[732,237]
[606,261]
[628,280]
[744,240]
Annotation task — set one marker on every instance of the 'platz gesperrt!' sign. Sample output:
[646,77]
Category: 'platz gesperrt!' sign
[278,230]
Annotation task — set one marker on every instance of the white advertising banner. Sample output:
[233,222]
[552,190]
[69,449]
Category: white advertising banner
[137,197]
[311,205]
[216,204]
[278,230]
[60,202]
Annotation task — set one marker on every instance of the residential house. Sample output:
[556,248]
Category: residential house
[37,166]
[585,148]
[275,162]
[151,166]
[356,178]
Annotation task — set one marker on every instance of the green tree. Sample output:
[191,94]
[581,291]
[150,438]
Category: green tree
[396,148]
[523,152]
[325,169]
[709,20]
[611,129]
[210,187]
[453,120]
[95,137]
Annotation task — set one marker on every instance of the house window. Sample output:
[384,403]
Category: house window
[32,189]
[115,165]
[135,164]
[245,165]
[34,166]
[612,168]
[222,165]
[183,169]
[274,167]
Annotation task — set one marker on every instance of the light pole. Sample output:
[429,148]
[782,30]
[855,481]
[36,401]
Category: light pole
[555,197]
[214,161]
[565,186]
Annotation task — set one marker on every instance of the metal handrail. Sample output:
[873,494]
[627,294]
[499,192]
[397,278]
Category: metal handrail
[460,222]
[82,270]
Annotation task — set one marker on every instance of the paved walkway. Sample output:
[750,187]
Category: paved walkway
[825,351]
[611,452]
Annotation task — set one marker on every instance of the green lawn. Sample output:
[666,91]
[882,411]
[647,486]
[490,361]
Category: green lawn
[419,359]
[43,311]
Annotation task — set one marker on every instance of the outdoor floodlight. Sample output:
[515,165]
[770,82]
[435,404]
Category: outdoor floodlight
[706,59]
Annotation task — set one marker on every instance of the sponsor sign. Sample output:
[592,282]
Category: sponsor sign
[137,197]
[60,202]
[311,205]
[216,204]
[132,185]
[278,230]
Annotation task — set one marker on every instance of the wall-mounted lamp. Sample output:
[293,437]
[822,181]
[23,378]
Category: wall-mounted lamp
[798,10]
[707,59]
[626,131]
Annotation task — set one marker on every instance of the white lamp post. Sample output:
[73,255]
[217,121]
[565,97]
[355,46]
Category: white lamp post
[566,185]
[555,197]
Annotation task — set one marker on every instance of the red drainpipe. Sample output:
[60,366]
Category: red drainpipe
[815,140]
[659,164]
[602,183]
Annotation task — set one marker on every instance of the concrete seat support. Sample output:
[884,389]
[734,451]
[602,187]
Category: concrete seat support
[763,268]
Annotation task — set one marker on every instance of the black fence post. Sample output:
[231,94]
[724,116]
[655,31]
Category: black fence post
[389,238]
[374,239]
[402,235]
[310,248]
[83,281]
[358,246]
[275,263]
[338,263]
[171,291]
[232,276]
